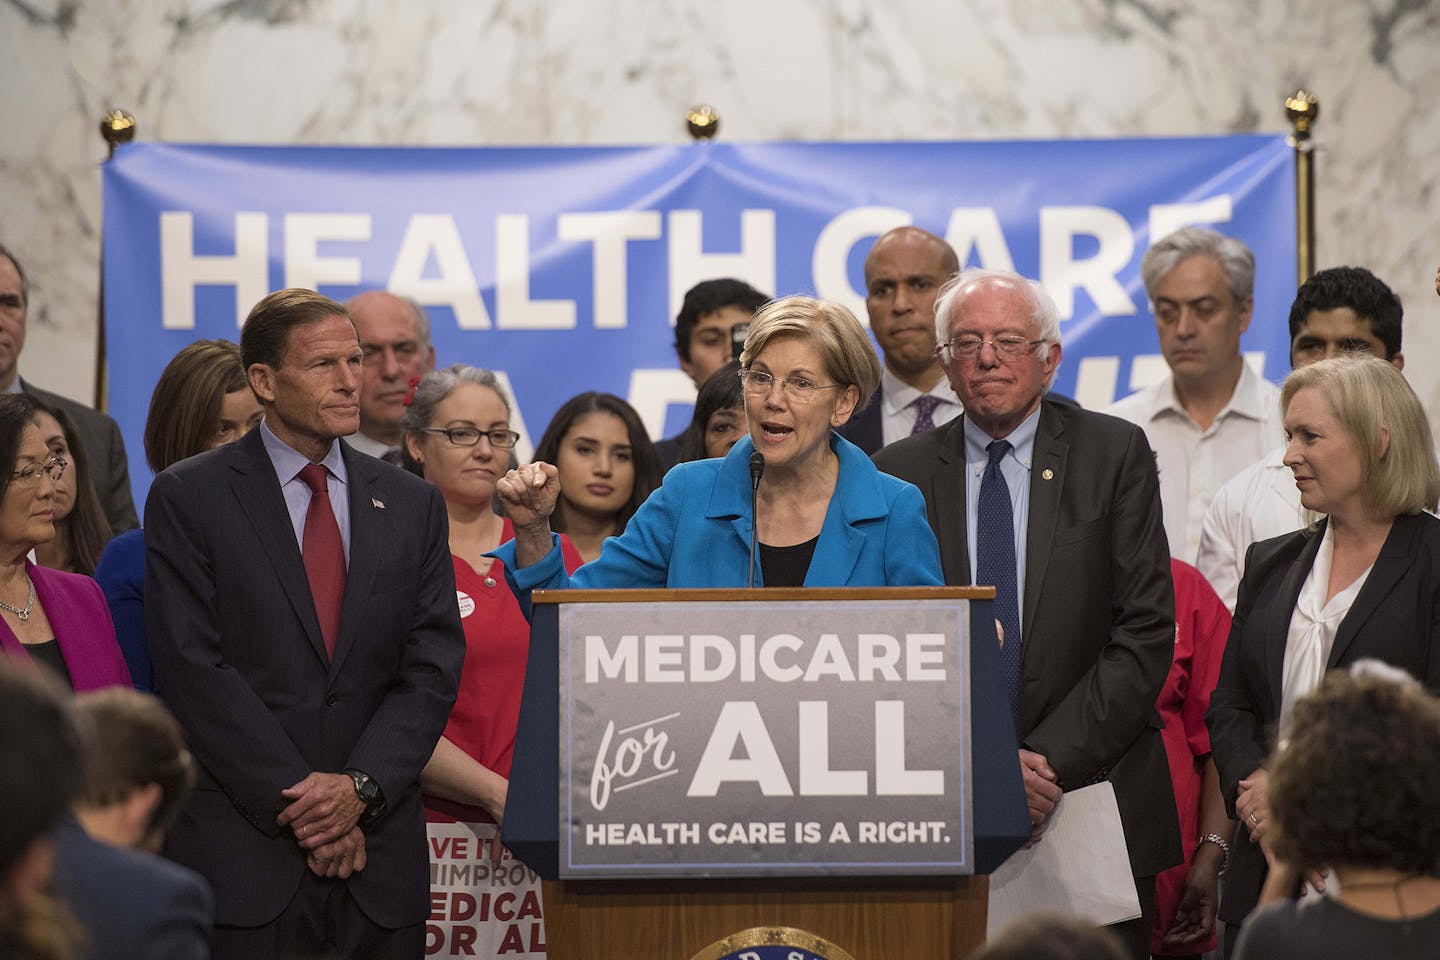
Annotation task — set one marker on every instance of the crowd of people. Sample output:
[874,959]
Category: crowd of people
[1220,595]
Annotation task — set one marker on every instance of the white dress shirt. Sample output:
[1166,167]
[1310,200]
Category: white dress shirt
[1313,627]
[1195,463]
[897,415]
[373,447]
[1258,503]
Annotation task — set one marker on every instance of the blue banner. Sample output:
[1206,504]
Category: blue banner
[563,267]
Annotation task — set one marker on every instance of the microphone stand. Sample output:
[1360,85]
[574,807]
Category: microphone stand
[757,468]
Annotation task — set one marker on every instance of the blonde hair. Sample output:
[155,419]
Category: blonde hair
[1367,395]
[842,343]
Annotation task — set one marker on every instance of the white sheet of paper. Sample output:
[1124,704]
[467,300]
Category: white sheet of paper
[1081,866]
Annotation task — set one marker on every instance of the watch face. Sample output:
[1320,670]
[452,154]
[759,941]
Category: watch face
[365,788]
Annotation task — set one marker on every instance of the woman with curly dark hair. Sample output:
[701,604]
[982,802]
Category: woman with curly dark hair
[1355,789]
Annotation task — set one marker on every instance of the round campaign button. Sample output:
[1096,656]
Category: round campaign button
[467,604]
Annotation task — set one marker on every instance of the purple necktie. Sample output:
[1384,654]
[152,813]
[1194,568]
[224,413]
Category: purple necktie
[924,413]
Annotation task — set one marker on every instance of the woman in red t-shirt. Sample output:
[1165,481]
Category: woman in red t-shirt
[458,437]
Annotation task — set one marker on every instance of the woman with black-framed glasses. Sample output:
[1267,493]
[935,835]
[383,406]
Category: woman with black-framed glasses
[820,513]
[48,616]
[458,437]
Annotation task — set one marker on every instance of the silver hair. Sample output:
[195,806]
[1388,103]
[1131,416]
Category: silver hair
[436,385]
[1167,253]
[1042,309]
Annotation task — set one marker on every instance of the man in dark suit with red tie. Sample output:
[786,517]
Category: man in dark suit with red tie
[1059,509]
[301,604]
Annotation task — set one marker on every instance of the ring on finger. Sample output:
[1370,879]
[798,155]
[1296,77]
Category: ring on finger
[1254,819]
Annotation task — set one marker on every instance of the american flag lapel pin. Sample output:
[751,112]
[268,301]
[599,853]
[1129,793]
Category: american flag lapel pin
[377,504]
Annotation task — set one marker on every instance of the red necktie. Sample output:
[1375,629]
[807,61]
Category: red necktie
[324,555]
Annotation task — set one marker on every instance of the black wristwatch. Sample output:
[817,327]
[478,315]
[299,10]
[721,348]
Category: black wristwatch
[369,793]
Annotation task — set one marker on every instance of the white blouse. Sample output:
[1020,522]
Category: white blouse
[1313,626]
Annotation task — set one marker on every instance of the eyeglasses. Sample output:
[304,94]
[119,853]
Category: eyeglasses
[54,468]
[969,347]
[798,389]
[470,436]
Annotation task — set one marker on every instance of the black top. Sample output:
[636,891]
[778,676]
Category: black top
[786,566]
[49,654]
[1319,928]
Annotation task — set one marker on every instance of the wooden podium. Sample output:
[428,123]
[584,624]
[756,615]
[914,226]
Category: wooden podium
[682,917]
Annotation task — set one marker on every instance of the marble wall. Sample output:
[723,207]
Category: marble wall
[623,71]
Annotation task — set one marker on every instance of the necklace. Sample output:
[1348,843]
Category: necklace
[24,614]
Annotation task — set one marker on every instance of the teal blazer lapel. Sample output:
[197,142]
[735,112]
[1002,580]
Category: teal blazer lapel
[730,503]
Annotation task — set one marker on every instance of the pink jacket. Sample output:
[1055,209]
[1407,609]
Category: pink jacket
[81,621]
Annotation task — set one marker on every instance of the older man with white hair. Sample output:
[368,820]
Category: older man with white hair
[1058,508]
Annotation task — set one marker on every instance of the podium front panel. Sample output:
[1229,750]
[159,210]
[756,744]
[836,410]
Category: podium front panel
[755,738]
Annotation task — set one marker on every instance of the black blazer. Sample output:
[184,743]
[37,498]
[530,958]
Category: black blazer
[865,428]
[105,458]
[239,658]
[1395,618]
[1099,608]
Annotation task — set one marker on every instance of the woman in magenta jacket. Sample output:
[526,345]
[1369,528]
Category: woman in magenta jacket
[46,616]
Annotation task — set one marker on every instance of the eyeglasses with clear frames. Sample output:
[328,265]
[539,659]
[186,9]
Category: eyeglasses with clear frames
[969,347]
[798,389]
[470,436]
[54,468]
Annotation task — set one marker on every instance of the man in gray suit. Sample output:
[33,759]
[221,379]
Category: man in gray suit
[1059,508]
[104,450]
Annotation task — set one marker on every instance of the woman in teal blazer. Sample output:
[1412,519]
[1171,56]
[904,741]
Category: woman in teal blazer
[826,516]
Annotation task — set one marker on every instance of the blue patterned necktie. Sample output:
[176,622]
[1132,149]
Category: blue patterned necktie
[995,562]
[924,413]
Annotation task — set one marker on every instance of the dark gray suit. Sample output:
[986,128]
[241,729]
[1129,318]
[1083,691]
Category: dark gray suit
[132,905]
[104,456]
[1098,612]
[865,428]
[1395,618]
[239,658]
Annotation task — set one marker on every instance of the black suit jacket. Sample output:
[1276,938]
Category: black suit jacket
[1395,618]
[239,657]
[104,456]
[866,429]
[130,904]
[1098,615]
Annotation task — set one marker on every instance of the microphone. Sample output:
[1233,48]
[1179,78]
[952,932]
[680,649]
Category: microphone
[757,468]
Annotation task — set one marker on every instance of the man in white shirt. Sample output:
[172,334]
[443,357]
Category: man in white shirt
[1212,415]
[395,338]
[1337,311]
[904,271]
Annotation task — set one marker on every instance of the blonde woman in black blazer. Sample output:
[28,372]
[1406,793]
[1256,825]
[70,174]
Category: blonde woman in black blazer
[1361,451]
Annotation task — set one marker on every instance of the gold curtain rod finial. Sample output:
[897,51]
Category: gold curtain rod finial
[1302,109]
[117,127]
[702,122]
